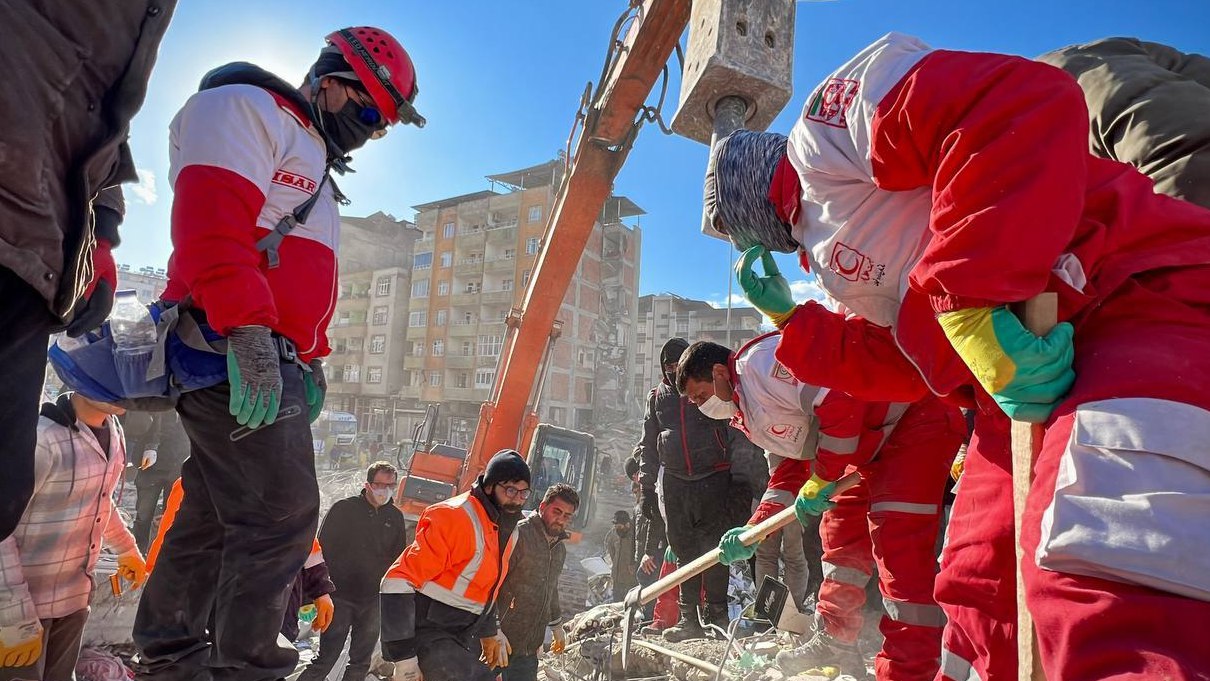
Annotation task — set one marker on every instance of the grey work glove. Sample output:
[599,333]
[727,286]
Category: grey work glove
[254,372]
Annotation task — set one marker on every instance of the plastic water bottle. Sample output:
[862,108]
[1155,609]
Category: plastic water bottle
[131,324]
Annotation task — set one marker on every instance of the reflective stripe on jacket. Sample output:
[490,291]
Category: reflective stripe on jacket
[455,558]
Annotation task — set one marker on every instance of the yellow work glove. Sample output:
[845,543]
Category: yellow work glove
[132,568]
[323,613]
[959,464]
[813,499]
[1027,375]
[560,643]
[21,644]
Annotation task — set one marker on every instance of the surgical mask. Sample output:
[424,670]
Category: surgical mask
[382,496]
[719,409]
[348,128]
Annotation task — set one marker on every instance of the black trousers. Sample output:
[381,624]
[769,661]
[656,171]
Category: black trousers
[695,523]
[360,619]
[151,485]
[243,532]
[27,324]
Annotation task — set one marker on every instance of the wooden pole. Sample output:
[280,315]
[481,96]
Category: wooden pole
[1039,314]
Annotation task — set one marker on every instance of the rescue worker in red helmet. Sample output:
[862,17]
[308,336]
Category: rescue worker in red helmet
[255,224]
[929,189]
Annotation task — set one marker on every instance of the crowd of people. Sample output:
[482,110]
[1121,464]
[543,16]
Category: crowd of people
[927,191]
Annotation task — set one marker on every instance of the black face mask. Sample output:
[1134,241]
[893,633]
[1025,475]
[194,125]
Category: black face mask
[345,128]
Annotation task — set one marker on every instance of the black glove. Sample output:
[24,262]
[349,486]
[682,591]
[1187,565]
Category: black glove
[650,503]
[92,311]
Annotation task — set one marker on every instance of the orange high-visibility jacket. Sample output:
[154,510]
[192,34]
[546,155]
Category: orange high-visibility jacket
[173,504]
[455,557]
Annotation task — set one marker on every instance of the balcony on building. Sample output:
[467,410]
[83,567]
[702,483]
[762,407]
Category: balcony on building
[496,296]
[461,328]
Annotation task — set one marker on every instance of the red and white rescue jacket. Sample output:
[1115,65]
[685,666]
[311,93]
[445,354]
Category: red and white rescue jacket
[922,171]
[242,157]
[802,426]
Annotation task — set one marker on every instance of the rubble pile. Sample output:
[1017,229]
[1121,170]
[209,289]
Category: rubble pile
[595,650]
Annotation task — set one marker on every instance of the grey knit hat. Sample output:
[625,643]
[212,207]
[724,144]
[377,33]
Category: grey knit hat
[736,194]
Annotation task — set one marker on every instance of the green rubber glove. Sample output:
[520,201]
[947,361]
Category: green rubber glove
[669,556]
[1025,374]
[733,551]
[813,499]
[254,372]
[315,388]
[771,293]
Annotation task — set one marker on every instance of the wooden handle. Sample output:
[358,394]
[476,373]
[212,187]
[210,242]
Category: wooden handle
[711,558]
[1038,314]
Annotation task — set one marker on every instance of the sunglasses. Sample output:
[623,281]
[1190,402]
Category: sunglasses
[367,112]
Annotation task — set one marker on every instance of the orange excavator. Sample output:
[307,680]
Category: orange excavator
[737,73]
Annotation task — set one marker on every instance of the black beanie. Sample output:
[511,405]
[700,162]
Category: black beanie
[506,466]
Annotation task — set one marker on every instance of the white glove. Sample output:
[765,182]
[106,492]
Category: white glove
[407,670]
[149,457]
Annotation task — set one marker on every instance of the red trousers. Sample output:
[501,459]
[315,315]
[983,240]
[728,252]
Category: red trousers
[892,517]
[666,610]
[1140,402]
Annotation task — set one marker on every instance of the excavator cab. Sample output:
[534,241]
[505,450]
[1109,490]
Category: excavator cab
[567,456]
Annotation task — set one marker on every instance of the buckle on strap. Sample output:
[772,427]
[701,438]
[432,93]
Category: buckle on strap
[286,349]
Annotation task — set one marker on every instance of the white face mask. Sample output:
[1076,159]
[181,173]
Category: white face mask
[381,496]
[719,409]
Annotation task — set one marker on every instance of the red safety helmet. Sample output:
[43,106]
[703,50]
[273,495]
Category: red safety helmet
[384,68]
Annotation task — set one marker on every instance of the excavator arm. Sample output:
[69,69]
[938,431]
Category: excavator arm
[611,123]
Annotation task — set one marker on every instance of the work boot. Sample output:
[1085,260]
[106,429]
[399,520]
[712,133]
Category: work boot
[688,627]
[822,651]
[717,615]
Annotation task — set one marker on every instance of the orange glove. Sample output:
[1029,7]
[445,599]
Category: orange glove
[21,645]
[496,650]
[132,568]
[323,613]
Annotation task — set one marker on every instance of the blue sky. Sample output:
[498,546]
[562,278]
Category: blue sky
[500,83]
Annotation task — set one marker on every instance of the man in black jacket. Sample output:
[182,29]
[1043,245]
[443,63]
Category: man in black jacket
[361,536]
[529,597]
[686,457]
[161,449]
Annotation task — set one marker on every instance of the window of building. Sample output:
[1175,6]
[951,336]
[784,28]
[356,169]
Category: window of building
[346,290]
[682,328]
[422,261]
[462,379]
[383,286]
[378,344]
[510,253]
[531,245]
[468,318]
[558,415]
[434,378]
[418,318]
[448,230]
[468,348]
[420,288]
[484,378]
[343,318]
[525,278]
[506,285]
[380,315]
[447,258]
[443,316]
[356,344]
[489,346]
[373,374]
[443,288]
[535,213]
[339,345]
[352,373]
[439,348]
[473,286]
[418,349]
